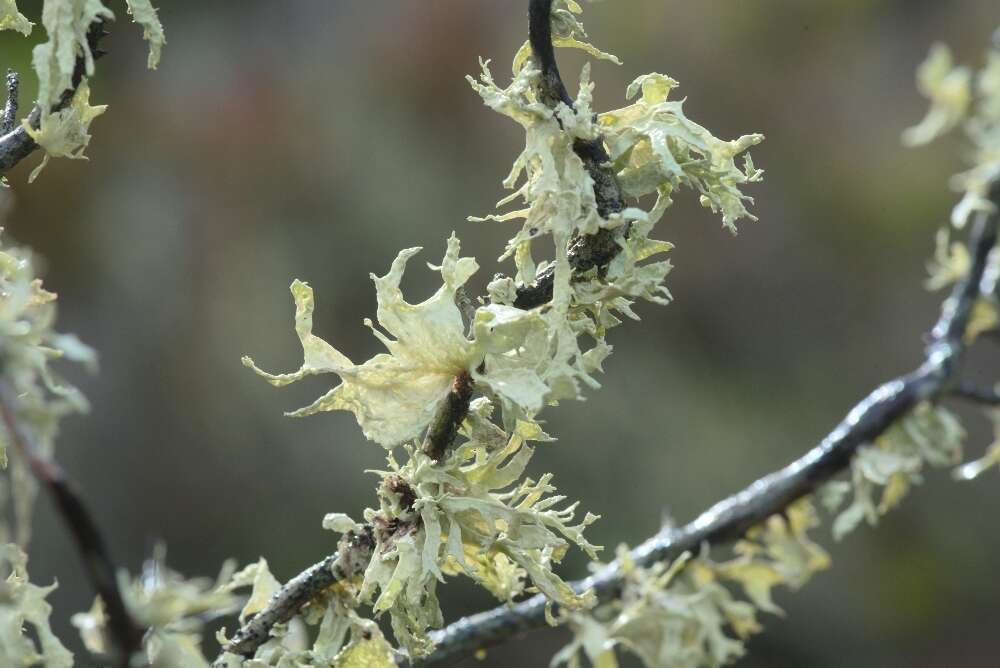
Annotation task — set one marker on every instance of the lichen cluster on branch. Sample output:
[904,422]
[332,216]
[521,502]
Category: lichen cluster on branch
[457,399]
[469,509]
[60,122]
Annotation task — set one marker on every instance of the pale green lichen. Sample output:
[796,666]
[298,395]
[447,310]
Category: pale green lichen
[654,148]
[23,606]
[473,511]
[395,395]
[67,22]
[950,264]
[263,585]
[983,129]
[949,90]
[343,639]
[65,133]
[144,14]
[556,187]
[961,97]
[534,359]
[929,435]
[474,514]
[567,32]
[174,611]
[28,346]
[683,615]
[991,460]
[11,19]
[657,149]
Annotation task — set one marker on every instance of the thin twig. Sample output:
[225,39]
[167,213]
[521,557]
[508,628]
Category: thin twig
[351,559]
[16,144]
[124,632]
[729,519]
[356,547]
[585,253]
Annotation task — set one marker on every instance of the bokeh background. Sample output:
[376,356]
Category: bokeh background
[313,140]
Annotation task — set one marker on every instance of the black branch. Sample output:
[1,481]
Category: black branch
[589,251]
[453,411]
[16,144]
[730,519]
[124,632]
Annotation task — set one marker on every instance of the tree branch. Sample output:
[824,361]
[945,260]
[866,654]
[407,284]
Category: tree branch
[586,252]
[724,522]
[352,557]
[16,144]
[730,519]
[125,633]
[356,548]
[455,407]
[590,251]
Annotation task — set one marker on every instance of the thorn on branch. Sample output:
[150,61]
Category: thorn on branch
[125,633]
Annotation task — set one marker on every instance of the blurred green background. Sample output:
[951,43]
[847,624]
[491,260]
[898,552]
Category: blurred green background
[313,140]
